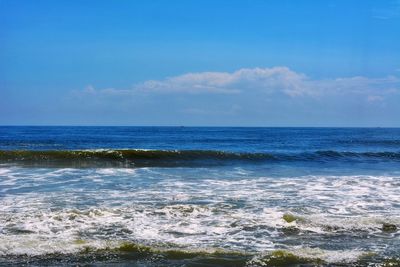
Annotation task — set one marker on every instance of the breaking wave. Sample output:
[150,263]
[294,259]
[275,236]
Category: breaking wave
[174,158]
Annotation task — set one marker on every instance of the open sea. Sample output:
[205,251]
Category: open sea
[199,196]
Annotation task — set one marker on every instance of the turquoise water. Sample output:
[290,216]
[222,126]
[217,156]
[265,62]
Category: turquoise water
[178,196]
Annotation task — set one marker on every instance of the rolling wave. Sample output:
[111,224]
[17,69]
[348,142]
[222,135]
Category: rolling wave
[126,253]
[176,158]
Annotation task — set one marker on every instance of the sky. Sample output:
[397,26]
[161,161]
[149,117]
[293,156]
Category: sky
[200,63]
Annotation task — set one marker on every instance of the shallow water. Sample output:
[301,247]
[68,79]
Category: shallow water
[320,196]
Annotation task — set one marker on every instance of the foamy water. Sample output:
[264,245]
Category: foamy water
[333,218]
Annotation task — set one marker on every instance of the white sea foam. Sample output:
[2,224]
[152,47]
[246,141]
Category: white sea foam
[158,207]
[4,171]
[115,171]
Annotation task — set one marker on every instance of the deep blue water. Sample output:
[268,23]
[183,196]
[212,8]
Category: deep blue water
[70,195]
[202,138]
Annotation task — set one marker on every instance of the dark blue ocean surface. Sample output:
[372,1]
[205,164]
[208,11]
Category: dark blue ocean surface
[199,196]
[235,139]
[326,149]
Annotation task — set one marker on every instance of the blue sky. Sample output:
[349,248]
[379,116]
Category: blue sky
[240,63]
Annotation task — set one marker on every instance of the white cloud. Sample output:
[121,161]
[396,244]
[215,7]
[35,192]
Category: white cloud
[266,79]
[281,80]
[91,91]
[358,85]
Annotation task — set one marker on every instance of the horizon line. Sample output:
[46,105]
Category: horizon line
[191,126]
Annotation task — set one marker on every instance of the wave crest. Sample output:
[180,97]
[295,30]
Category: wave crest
[174,158]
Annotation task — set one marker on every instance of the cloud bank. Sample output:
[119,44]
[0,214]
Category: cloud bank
[277,96]
[263,81]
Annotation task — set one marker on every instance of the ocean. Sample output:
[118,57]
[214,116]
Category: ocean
[199,196]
